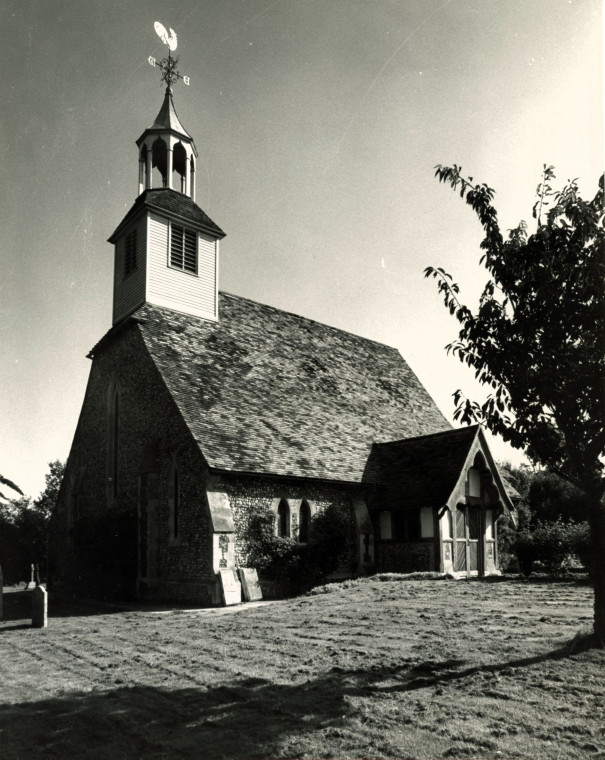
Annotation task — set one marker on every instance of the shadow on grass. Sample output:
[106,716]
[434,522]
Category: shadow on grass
[249,718]
[17,606]
[244,720]
[539,579]
[435,674]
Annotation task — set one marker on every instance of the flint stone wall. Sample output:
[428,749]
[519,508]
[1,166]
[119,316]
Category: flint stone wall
[148,418]
[249,495]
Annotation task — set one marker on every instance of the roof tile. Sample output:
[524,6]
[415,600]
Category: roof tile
[168,201]
[271,392]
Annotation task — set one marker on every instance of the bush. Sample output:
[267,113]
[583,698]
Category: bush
[507,537]
[296,567]
[524,549]
[582,546]
[552,545]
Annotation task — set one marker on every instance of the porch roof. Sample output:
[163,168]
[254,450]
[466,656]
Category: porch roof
[429,471]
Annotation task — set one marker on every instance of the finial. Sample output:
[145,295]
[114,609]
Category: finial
[167,65]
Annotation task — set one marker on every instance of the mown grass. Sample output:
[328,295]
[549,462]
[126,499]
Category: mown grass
[366,669]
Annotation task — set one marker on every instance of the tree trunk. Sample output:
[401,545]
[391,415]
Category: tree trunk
[597,534]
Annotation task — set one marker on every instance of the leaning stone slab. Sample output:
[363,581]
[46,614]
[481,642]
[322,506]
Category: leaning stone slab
[250,584]
[231,588]
[39,607]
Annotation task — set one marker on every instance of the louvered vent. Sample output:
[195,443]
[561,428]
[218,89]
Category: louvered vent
[183,249]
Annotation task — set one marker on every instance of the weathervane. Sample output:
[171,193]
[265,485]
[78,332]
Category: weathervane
[167,65]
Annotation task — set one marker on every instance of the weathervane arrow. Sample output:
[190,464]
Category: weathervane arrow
[167,65]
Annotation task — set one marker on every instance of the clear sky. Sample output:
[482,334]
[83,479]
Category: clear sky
[318,124]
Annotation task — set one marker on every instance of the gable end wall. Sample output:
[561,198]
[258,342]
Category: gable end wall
[148,417]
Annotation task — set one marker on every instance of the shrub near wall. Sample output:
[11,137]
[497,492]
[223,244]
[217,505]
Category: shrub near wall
[292,567]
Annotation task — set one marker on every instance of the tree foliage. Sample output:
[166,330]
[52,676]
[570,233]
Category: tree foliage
[549,498]
[537,338]
[551,532]
[24,528]
[45,503]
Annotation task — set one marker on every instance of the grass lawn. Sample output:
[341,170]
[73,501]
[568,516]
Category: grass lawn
[378,669]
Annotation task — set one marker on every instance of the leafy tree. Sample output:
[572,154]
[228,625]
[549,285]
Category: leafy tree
[550,498]
[45,503]
[24,528]
[536,339]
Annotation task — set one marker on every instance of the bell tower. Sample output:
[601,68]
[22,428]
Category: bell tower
[166,147]
[166,249]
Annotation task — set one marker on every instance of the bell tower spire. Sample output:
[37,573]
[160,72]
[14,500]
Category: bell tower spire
[166,145]
[166,247]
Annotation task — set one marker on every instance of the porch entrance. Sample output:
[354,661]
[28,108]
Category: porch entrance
[469,547]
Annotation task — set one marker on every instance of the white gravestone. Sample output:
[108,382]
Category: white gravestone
[230,586]
[250,584]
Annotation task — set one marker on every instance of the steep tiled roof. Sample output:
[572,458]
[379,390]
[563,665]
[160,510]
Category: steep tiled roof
[270,392]
[425,469]
[173,204]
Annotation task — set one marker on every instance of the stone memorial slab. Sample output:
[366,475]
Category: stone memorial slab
[231,588]
[39,607]
[250,584]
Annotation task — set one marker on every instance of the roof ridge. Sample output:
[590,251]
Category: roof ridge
[452,431]
[171,203]
[307,319]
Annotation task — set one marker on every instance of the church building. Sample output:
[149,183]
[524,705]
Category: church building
[203,408]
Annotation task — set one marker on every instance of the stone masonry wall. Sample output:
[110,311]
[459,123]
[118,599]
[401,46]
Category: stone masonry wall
[405,557]
[148,417]
[248,494]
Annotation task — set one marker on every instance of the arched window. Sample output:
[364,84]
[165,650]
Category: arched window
[304,520]
[283,519]
[159,162]
[179,167]
[113,442]
[174,505]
